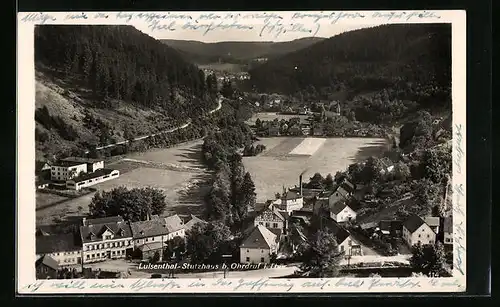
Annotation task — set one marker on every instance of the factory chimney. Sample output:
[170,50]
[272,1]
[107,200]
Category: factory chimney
[300,185]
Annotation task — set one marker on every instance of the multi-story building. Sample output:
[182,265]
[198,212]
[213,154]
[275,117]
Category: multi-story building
[64,248]
[259,245]
[64,170]
[105,238]
[417,231]
[92,164]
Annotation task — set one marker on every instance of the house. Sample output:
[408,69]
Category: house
[42,171]
[105,238]
[318,130]
[290,201]
[89,179]
[149,237]
[46,268]
[274,130]
[259,245]
[343,211]
[271,218]
[193,221]
[64,248]
[448,230]
[150,251]
[342,236]
[433,222]
[175,227]
[345,191]
[64,170]
[416,231]
[390,227]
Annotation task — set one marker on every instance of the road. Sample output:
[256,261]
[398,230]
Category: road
[219,106]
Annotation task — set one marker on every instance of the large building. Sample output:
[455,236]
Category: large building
[64,170]
[271,218]
[64,248]
[89,179]
[105,238]
[290,201]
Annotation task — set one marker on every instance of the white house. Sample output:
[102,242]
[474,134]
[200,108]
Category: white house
[105,238]
[343,237]
[175,227]
[416,231]
[64,170]
[89,179]
[92,164]
[290,201]
[448,230]
[343,211]
[259,245]
[63,248]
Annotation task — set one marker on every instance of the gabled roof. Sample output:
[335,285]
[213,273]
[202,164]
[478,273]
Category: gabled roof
[348,186]
[338,206]
[174,223]
[260,237]
[413,222]
[47,261]
[98,228]
[432,221]
[273,210]
[448,224]
[48,244]
[151,246]
[193,221]
[390,225]
[102,220]
[152,228]
[340,233]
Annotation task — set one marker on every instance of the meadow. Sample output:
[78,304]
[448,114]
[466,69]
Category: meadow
[285,158]
[177,171]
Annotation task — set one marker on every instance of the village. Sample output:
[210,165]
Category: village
[272,233]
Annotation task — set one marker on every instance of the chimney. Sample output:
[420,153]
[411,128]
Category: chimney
[300,185]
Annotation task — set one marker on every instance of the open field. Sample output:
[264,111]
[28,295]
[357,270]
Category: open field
[177,171]
[44,199]
[265,116]
[277,166]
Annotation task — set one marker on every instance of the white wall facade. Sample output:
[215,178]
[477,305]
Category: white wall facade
[290,205]
[163,238]
[347,214]
[95,166]
[255,255]
[106,249]
[63,172]
[70,184]
[65,258]
[423,235]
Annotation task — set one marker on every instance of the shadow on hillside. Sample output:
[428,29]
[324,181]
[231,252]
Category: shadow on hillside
[192,199]
[192,156]
[375,149]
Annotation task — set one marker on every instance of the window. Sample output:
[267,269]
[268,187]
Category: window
[146,239]
[342,248]
[261,251]
[260,223]
[262,259]
[152,239]
[137,241]
[267,224]
[93,255]
[114,252]
[430,242]
[419,236]
[88,256]
[248,259]
[275,225]
[248,251]
[428,236]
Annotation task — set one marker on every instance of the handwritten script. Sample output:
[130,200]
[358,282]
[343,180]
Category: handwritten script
[268,24]
[239,285]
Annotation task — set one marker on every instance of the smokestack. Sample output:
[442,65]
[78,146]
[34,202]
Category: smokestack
[300,184]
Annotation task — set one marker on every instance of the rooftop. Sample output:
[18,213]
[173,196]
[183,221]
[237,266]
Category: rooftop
[48,261]
[174,223]
[93,232]
[102,220]
[432,221]
[260,237]
[96,174]
[82,160]
[151,228]
[151,246]
[290,195]
[47,244]
[193,221]
[448,224]
[413,222]
[340,233]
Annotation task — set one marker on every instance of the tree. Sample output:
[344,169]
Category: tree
[329,182]
[133,205]
[437,164]
[258,123]
[227,89]
[205,241]
[321,256]
[247,196]
[175,249]
[316,181]
[429,259]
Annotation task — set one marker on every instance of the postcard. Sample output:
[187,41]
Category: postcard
[241,152]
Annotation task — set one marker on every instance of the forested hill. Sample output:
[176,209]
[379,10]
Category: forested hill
[413,61]
[236,52]
[99,84]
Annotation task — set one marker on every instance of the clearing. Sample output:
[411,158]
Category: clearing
[177,171]
[277,166]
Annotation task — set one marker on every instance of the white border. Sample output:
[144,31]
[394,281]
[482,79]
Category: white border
[26,282]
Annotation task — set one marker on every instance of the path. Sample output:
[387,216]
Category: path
[219,106]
